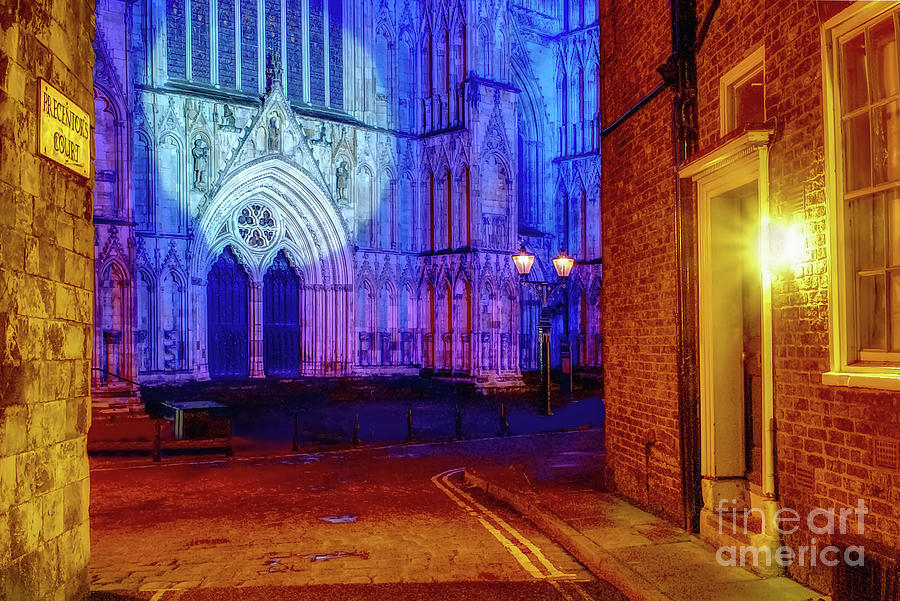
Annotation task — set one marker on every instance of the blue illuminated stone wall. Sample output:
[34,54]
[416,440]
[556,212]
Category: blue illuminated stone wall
[175,39]
[317,51]
[293,63]
[226,44]
[336,51]
[200,41]
[249,58]
[188,143]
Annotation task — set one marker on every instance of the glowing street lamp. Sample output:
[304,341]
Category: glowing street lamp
[523,260]
[563,264]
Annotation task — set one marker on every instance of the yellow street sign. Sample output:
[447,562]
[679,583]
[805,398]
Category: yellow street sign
[64,131]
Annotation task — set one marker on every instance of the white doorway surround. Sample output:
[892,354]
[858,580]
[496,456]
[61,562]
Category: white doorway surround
[735,341]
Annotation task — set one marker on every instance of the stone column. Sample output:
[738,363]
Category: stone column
[197,333]
[321,318]
[256,331]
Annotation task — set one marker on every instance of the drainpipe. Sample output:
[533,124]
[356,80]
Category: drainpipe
[681,71]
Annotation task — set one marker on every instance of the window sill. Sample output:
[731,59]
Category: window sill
[877,381]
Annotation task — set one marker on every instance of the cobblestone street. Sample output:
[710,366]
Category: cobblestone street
[388,516]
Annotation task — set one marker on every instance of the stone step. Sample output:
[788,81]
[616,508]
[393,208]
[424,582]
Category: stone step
[738,523]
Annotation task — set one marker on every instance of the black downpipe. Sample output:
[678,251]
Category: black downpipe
[640,103]
[682,69]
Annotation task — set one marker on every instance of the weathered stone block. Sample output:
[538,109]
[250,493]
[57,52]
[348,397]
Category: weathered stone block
[73,270]
[13,430]
[26,576]
[66,303]
[75,497]
[24,212]
[32,256]
[25,528]
[30,179]
[52,510]
[12,249]
[77,418]
[25,463]
[7,494]
[56,339]
[84,238]
[49,569]
[65,234]
[10,165]
[76,337]
[38,297]
[32,338]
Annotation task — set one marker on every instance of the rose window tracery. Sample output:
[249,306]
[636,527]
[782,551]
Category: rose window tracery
[257,226]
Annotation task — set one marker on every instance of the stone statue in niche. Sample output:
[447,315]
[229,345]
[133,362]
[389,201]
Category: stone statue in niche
[143,350]
[342,180]
[228,118]
[273,137]
[200,152]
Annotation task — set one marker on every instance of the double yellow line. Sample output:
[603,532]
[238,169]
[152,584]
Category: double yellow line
[526,553]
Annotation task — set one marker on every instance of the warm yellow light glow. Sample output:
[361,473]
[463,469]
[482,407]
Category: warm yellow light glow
[563,264]
[782,246]
[523,260]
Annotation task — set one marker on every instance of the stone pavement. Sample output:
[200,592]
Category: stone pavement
[645,557]
[366,516]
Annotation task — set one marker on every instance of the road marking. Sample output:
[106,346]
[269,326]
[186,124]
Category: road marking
[553,571]
[487,518]
[507,544]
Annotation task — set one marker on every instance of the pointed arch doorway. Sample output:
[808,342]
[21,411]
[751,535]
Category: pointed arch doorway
[299,305]
[281,319]
[227,318]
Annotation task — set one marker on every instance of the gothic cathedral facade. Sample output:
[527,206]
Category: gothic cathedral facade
[292,188]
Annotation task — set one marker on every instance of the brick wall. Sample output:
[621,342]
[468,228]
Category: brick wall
[639,261]
[825,432]
[46,283]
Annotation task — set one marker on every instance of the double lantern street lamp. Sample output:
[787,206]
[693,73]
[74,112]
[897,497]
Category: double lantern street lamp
[563,264]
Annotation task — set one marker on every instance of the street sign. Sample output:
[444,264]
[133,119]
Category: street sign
[64,131]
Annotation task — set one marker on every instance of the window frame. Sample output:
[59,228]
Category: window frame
[734,77]
[849,366]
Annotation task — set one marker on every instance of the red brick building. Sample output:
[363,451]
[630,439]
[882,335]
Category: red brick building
[751,227]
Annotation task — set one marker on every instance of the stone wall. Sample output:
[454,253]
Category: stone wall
[826,434]
[46,283]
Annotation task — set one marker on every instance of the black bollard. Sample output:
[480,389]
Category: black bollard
[356,430]
[156,442]
[459,432]
[409,426]
[295,443]
[504,423]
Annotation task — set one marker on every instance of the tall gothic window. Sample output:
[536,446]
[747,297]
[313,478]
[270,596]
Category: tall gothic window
[406,71]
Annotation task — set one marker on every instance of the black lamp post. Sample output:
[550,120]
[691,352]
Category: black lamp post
[563,265]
